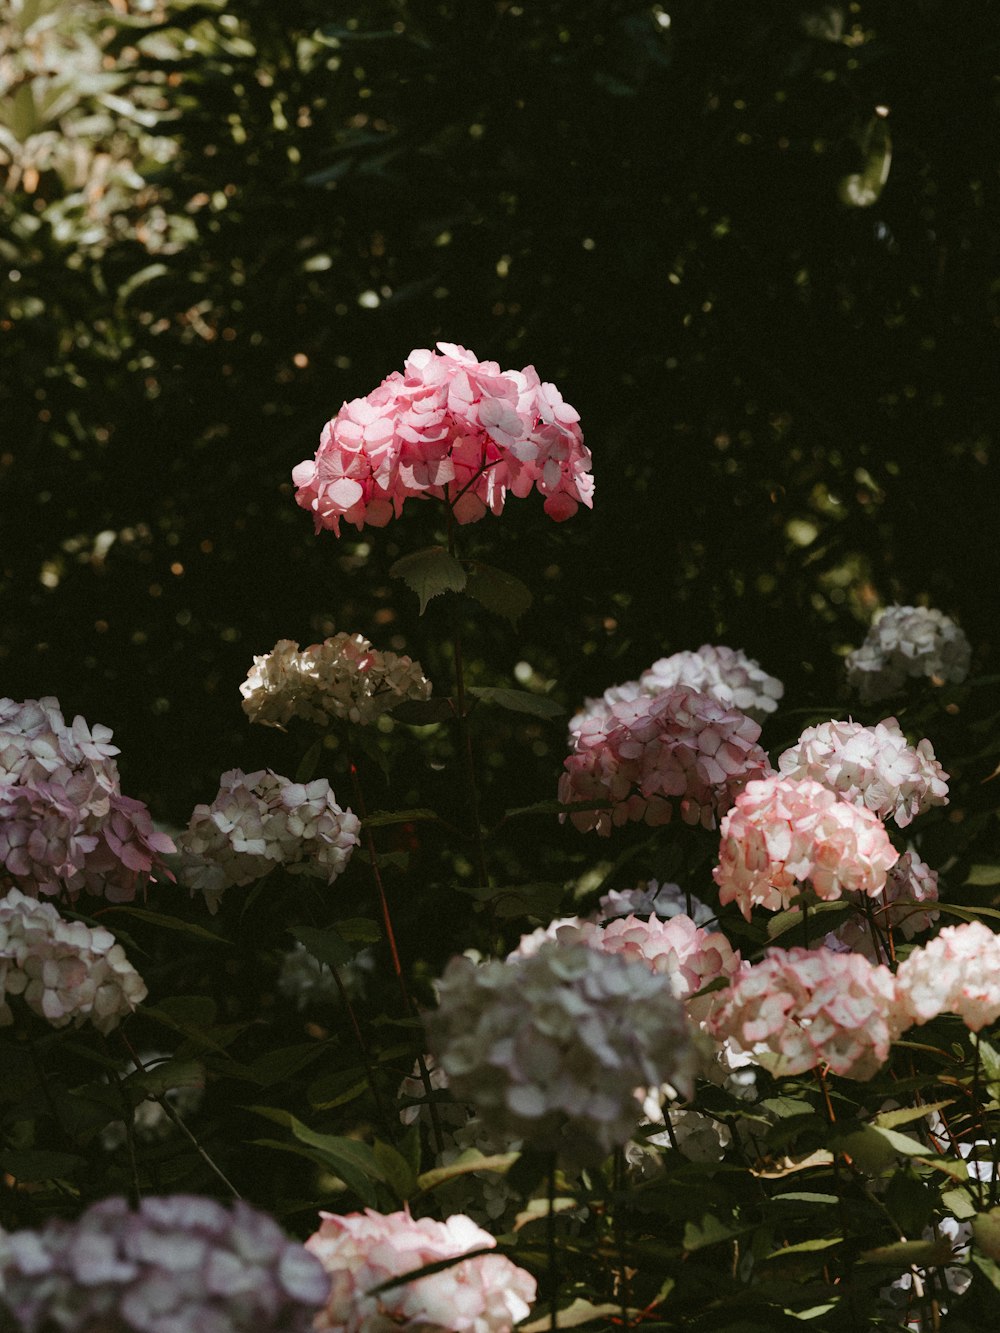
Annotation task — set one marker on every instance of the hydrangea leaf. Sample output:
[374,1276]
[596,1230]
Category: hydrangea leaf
[429,573]
[171,923]
[470,1160]
[167,1074]
[903,1253]
[396,1170]
[517,701]
[329,946]
[986,1233]
[576,1313]
[499,592]
[340,1088]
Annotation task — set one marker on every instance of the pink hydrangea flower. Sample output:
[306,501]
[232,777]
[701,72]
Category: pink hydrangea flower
[783,833]
[957,972]
[871,766]
[343,677]
[64,971]
[259,821]
[450,427]
[65,825]
[800,1009]
[727,674]
[680,751]
[359,1251]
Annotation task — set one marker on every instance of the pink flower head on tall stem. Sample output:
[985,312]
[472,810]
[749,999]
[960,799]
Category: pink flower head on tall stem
[453,428]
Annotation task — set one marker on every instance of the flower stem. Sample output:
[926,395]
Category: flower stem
[550,1246]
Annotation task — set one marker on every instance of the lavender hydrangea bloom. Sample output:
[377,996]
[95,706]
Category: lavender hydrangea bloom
[178,1264]
[553,1047]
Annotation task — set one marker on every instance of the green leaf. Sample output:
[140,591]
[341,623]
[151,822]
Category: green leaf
[429,573]
[986,1233]
[517,701]
[903,1253]
[309,762]
[337,1089]
[382,818]
[329,946]
[363,930]
[353,1161]
[792,919]
[469,1161]
[396,1170]
[160,1078]
[575,1314]
[170,923]
[968,913]
[498,591]
[958,1203]
[277,1066]
[806,1247]
[906,1114]
[710,1231]
[910,1201]
[986,875]
[30,1165]
[541,899]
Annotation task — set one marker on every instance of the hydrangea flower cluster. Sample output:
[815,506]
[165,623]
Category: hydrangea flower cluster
[727,674]
[176,1263]
[454,428]
[259,821]
[957,972]
[359,1251]
[65,971]
[689,955]
[343,677]
[65,825]
[653,899]
[553,1047]
[680,750]
[799,1009]
[784,832]
[874,767]
[905,642]
[910,881]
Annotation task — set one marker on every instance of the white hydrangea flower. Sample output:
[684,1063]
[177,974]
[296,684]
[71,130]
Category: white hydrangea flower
[905,642]
[259,821]
[600,708]
[174,1263]
[874,767]
[554,1047]
[727,674]
[654,899]
[65,971]
[343,677]
[957,972]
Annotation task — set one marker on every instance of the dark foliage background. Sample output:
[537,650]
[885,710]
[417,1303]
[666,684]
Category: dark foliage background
[785,365]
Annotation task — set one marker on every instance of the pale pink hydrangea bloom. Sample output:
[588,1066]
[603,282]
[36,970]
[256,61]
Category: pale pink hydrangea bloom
[342,678]
[910,883]
[65,971]
[65,825]
[259,821]
[783,833]
[690,956]
[174,1264]
[681,751]
[957,972]
[558,1047]
[800,1009]
[727,674]
[906,642]
[599,709]
[450,427]
[872,766]
[485,1294]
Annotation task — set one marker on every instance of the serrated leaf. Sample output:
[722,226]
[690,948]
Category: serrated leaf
[499,592]
[806,1247]
[471,1160]
[903,1253]
[517,701]
[363,930]
[328,946]
[429,573]
[907,1114]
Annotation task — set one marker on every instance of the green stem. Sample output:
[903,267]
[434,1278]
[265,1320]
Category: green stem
[128,1116]
[550,1246]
